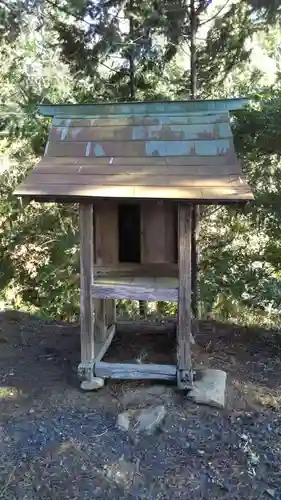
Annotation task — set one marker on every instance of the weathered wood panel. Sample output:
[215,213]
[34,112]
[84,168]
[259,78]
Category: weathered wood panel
[184,373]
[86,280]
[140,270]
[171,243]
[82,168]
[192,118]
[132,292]
[106,233]
[133,179]
[144,281]
[141,148]
[152,232]
[142,132]
[158,241]
[132,162]
[134,371]
[72,192]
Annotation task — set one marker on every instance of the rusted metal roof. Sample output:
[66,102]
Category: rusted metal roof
[177,150]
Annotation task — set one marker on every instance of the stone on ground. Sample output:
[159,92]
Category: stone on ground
[209,387]
[146,420]
[92,385]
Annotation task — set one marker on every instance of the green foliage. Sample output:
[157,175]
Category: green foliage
[268,9]
[224,48]
[38,251]
[241,249]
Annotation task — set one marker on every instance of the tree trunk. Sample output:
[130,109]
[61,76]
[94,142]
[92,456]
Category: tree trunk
[196,209]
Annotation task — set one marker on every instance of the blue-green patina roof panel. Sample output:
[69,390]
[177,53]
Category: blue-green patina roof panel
[142,108]
[178,150]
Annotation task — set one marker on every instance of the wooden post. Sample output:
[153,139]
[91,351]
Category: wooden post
[86,303]
[184,366]
[86,280]
[194,264]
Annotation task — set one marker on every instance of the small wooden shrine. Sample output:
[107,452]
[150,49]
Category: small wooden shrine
[136,169]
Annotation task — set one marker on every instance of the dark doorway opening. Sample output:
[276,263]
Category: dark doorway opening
[129,229]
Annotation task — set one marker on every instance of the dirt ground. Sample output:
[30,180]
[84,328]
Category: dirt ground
[59,443]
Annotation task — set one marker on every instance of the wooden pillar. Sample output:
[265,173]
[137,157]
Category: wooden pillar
[184,365]
[86,280]
[85,368]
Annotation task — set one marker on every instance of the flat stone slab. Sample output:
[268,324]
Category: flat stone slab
[209,388]
[146,420]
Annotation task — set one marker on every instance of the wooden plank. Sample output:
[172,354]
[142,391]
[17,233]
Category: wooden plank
[55,191]
[103,347]
[213,148]
[195,118]
[153,233]
[132,192]
[184,365]
[170,233]
[135,371]
[158,236]
[142,270]
[222,159]
[106,233]
[238,191]
[134,179]
[134,292]
[99,324]
[190,171]
[147,282]
[110,312]
[142,132]
[86,280]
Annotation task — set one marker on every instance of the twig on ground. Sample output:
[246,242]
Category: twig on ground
[5,487]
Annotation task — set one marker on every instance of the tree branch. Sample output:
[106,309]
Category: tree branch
[215,15]
[11,9]
[66,11]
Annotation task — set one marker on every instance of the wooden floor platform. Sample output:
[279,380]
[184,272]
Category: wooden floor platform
[136,288]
